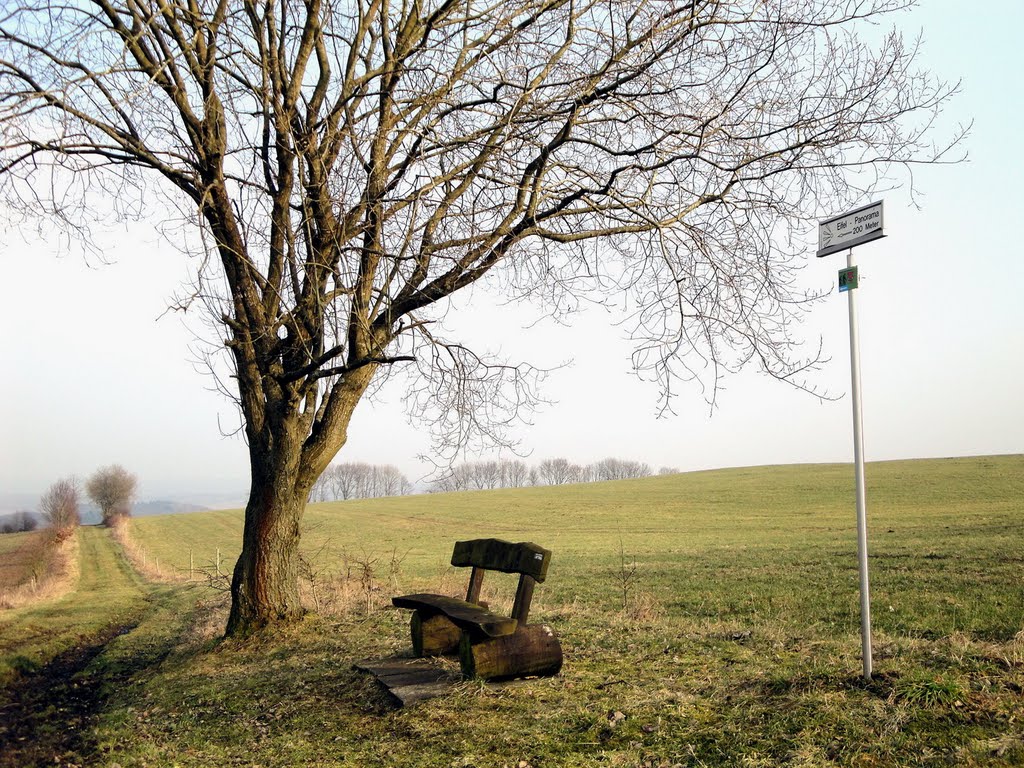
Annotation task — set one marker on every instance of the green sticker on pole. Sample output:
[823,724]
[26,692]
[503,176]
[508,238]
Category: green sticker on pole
[847,279]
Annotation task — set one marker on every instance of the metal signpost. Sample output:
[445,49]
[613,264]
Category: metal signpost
[843,233]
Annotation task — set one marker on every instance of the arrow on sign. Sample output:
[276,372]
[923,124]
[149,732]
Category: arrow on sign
[850,229]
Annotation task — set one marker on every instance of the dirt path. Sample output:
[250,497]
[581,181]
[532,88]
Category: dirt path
[45,717]
[46,713]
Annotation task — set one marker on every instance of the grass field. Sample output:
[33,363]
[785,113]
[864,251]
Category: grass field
[716,611]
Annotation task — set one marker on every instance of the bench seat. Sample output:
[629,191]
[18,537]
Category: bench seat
[468,616]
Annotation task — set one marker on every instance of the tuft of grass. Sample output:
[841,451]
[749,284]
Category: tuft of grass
[925,690]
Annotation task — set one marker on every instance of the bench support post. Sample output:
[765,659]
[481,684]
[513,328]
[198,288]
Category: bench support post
[433,635]
[476,580]
[524,596]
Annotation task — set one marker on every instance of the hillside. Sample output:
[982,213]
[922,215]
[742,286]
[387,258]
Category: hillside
[707,619]
[672,524]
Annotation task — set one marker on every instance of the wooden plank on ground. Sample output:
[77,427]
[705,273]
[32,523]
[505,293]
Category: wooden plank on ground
[410,680]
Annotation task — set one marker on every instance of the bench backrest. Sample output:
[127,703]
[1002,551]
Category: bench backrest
[496,555]
[525,558]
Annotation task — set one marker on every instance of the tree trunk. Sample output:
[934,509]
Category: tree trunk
[288,451]
[265,585]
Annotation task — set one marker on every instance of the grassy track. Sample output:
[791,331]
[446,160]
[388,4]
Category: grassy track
[734,643]
[108,592]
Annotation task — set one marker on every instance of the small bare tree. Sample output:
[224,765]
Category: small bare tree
[514,473]
[357,480]
[59,506]
[619,469]
[112,489]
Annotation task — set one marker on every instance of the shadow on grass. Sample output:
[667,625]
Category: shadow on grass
[46,712]
[881,684]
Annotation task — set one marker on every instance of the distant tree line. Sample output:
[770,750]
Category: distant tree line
[358,480]
[513,473]
[19,522]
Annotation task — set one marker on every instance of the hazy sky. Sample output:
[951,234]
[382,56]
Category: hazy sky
[91,376]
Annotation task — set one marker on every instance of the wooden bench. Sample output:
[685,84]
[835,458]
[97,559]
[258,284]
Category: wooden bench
[490,646]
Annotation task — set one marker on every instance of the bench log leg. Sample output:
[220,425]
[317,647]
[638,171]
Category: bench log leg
[433,635]
[531,650]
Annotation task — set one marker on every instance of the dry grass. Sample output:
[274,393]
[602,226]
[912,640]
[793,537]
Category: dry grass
[349,584]
[48,570]
[19,555]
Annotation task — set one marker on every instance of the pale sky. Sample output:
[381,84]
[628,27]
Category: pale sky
[91,376]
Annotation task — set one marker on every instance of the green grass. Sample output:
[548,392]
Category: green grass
[772,542]
[108,592]
[737,642]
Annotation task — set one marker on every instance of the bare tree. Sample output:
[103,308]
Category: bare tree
[390,481]
[350,479]
[59,506]
[514,473]
[344,167]
[487,475]
[619,469]
[320,490]
[112,489]
[357,480]
[579,473]
[483,475]
[556,471]
[458,478]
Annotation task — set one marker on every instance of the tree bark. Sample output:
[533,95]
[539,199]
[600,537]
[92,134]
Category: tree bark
[265,584]
[288,451]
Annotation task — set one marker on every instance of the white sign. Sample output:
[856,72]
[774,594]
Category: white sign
[850,229]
